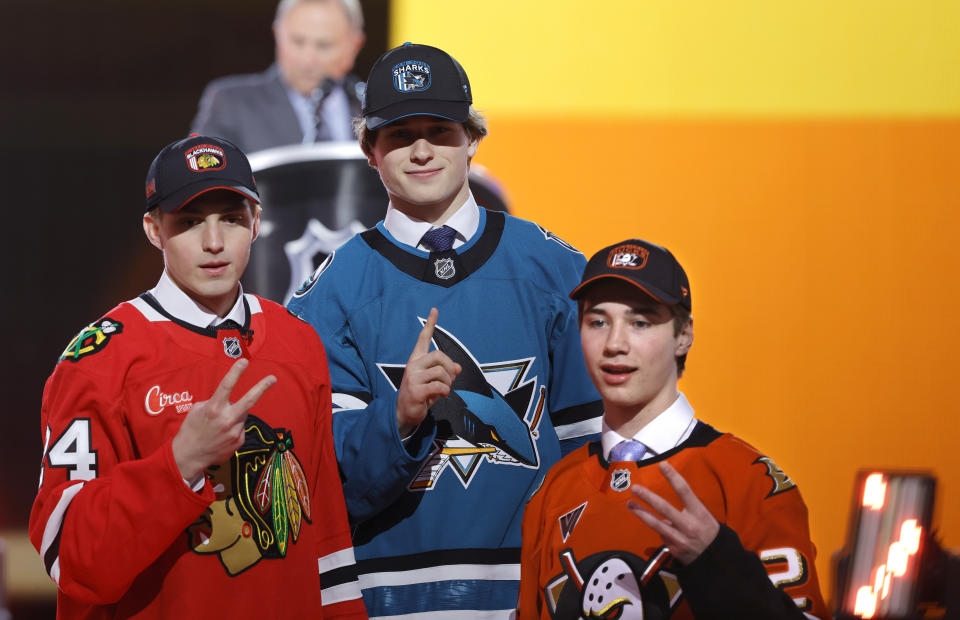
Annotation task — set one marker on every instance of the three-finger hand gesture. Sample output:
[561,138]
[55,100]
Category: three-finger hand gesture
[686,533]
[428,376]
[213,429]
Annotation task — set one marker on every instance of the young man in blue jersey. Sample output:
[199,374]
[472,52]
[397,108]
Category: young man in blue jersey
[454,354]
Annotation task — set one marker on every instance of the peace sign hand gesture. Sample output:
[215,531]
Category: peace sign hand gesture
[685,533]
[213,429]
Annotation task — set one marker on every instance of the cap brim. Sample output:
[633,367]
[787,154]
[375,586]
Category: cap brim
[457,111]
[178,200]
[657,294]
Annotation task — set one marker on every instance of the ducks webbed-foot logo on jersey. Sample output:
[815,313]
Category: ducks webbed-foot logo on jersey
[483,419]
[612,584]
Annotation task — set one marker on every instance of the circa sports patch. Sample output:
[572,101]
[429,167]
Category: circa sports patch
[91,339]
[205,157]
[411,76]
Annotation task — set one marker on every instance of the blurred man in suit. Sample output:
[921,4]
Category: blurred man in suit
[307,95]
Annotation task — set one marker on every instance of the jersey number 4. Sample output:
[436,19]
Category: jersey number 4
[72,450]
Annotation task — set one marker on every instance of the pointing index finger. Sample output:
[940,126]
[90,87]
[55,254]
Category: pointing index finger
[426,334]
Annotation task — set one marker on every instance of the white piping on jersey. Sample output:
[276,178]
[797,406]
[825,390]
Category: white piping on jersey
[339,593]
[484,572]
[579,429]
[155,317]
[52,529]
[344,557]
[343,401]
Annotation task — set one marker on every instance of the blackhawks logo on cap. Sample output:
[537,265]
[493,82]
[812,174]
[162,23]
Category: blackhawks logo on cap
[628,256]
[204,157]
[411,76]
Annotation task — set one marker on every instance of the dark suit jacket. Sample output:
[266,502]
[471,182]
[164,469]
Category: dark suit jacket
[254,112]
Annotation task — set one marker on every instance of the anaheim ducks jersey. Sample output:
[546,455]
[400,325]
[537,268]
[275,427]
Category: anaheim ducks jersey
[585,555]
[118,529]
[439,516]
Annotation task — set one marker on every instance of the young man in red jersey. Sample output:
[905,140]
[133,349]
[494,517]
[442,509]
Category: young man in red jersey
[161,496]
[724,533]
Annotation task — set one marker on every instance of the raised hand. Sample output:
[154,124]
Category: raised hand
[213,429]
[685,533]
[428,376]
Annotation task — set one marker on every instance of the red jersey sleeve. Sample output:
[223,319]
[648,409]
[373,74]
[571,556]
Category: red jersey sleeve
[340,590]
[97,497]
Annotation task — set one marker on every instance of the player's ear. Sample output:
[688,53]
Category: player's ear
[151,228]
[685,338]
[255,210]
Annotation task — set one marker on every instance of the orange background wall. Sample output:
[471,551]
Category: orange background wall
[812,193]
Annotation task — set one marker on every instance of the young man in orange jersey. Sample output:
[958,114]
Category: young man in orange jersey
[161,496]
[724,533]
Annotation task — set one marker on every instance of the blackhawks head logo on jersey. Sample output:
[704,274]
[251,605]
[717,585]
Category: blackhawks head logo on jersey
[262,499]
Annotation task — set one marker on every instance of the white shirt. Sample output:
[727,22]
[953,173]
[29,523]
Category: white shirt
[665,432]
[172,298]
[409,230]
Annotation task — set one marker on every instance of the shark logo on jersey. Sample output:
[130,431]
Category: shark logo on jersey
[612,584]
[489,415]
[781,481]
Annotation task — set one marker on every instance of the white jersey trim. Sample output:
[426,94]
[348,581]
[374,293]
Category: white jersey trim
[147,311]
[579,429]
[52,529]
[340,593]
[483,572]
[344,557]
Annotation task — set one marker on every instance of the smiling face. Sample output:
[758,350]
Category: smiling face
[315,40]
[630,347]
[206,246]
[423,162]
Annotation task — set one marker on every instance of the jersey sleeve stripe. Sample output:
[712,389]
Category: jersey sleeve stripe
[340,593]
[335,560]
[482,572]
[579,429]
[577,413]
[50,543]
[350,400]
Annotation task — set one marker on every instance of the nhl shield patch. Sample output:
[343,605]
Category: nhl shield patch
[444,268]
[620,479]
[411,76]
[232,348]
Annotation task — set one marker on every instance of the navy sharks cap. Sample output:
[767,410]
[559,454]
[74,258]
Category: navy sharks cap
[187,168]
[416,79]
[651,268]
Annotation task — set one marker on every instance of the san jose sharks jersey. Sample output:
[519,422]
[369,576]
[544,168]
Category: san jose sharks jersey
[438,517]
[118,529]
[585,555]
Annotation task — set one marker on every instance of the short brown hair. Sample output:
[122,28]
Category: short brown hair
[475,126]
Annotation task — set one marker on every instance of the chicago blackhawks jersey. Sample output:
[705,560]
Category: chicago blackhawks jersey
[118,529]
[585,555]
[439,515]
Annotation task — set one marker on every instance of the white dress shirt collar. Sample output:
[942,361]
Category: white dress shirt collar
[409,230]
[663,433]
[172,298]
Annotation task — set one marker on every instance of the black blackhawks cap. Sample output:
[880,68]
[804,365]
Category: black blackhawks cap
[649,267]
[187,168]
[416,79]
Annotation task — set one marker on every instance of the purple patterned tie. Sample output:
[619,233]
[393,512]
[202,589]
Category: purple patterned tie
[627,450]
[439,239]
